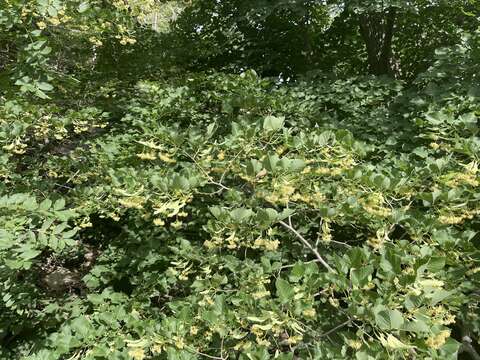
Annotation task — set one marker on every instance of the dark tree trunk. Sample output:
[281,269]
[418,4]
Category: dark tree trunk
[377,31]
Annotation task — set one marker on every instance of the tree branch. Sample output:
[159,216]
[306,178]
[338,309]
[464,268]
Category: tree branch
[308,245]
[336,328]
[468,348]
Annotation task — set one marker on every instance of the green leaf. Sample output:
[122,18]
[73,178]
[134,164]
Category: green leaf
[41,94]
[84,6]
[59,228]
[273,123]
[437,118]
[285,214]
[69,234]
[30,204]
[360,277]
[285,356]
[450,348]
[267,216]
[438,295]
[241,214]
[297,272]
[326,212]
[210,130]
[387,319]
[59,204]
[45,205]
[216,211]
[297,165]
[270,162]
[44,86]
[382,181]
[436,264]
[396,319]
[81,326]
[210,316]
[285,291]
[382,319]
[254,167]
[180,183]
[29,254]
[417,326]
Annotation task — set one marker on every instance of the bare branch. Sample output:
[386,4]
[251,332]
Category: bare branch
[206,355]
[335,328]
[308,245]
[468,348]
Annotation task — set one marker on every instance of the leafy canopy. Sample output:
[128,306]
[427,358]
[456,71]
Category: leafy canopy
[205,179]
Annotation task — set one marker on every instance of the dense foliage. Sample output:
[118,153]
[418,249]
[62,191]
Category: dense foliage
[239,180]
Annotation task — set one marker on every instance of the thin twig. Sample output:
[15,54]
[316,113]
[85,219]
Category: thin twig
[219,184]
[335,328]
[205,355]
[307,244]
[221,347]
[72,177]
[318,234]
[339,243]
[292,265]
[64,186]
[211,181]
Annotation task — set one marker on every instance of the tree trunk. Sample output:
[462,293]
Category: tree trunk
[377,31]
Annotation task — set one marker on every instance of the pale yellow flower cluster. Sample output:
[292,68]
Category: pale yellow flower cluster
[270,245]
[133,202]
[455,219]
[137,353]
[292,340]
[326,231]
[379,240]
[374,205]
[124,40]
[232,241]
[60,18]
[457,179]
[158,222]
[328,171]
[181,270]
[260,294]
[81,126]
[213,243]
[95,41]
[467,177]
[334,302]
[16,147]
[310,313]
[281,193]
[435,342]
[152,155]
[44,128]
[310,197]
[451,219]
[441,315]
[147,156]
[355,344]
[166,158]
